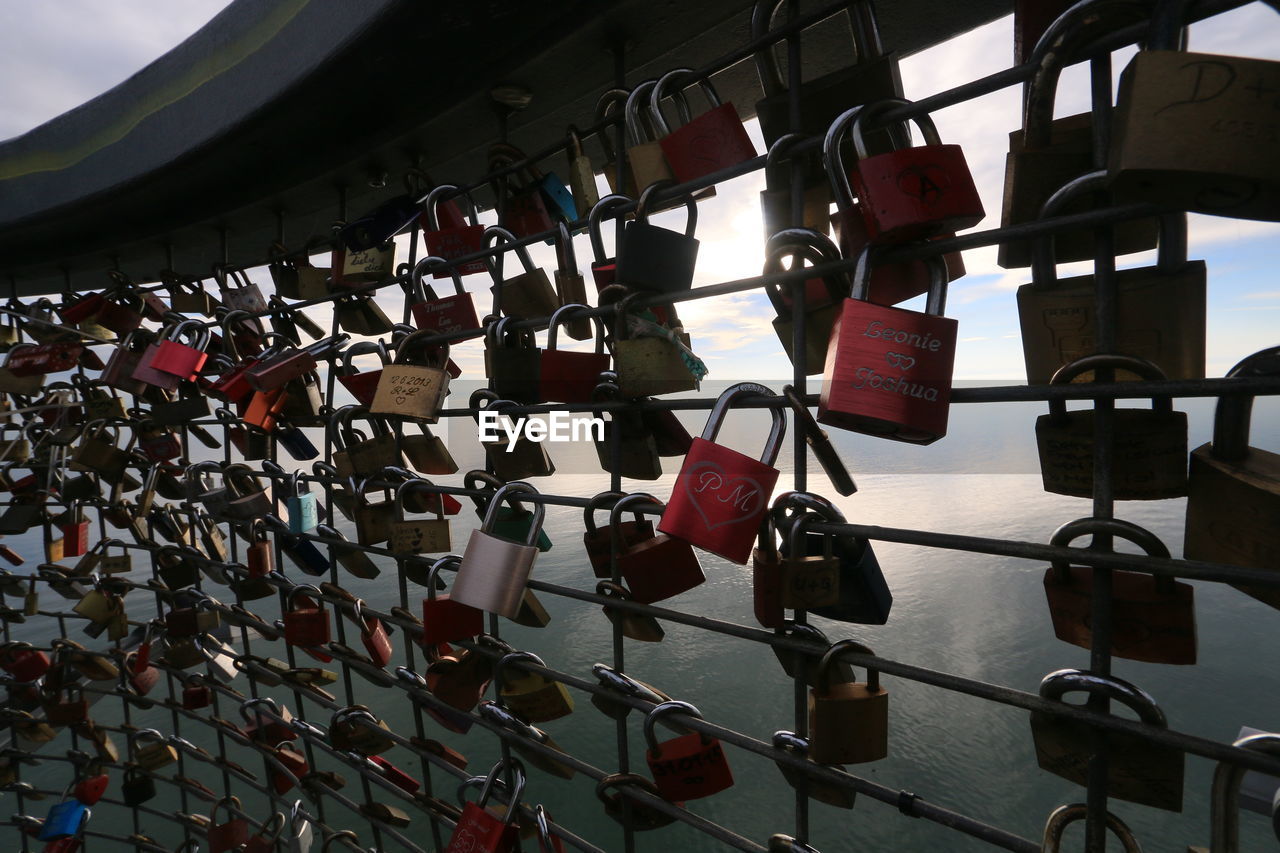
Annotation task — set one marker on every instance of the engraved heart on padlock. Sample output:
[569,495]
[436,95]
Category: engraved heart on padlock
[899,360]
[708,147]
[927,184]
[707,481]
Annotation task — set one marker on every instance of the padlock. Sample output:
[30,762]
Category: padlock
[447,315]
[345,733]
[908,193]
[1153,617]
[531,695]
[1138,770]
[1225,797]
[224,837]
[821,304]
[416,384]
[237,292]
[819,443]
[527,294]
[428,453]
[356,455]
[1045,154]
[657,568]
[636,816]
[687,767]
[766,576]
[267,838]
[512,362]
[288,766]
[448,235]
[1148,461]
[1186,132]
[267,728]
[807,581]
[44,359]
[870,385]
[361,385]
[172,362]
[612,679]
[309,625]
[523,208]
[611,110]
[873,77]
[354,267]
[582,175]
[137,787]
[645,158]
[654,258]
[1233,495]
[99,453]
[840,796]
[628,435]
[1159,311]
[848,721]
[635,626]
[510,461]
[864,596]
[493,571]
[598,542]
[721,495]
[565,376]
[301,505]
[373,635]
[709,142]
[67,711]
[298,830]
[443,619]
[481,829]
[247,496]
[651,358]
[155,755]
[65,819]
[775,198]
[417,536]
[604,270]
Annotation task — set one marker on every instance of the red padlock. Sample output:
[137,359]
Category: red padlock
[373,634]
[910,193]
[713,141]
[888,370]
[75,536]
[23,661]
[364,385]
[183,360]
[81,308]
[599,542]
[481,830]
[227,836]
[566,376]
[196,696]
[395,775]
[293,766]
[721,495]
[655,568]
[443,619]
[449,314]
[604,270]
[689,766]
[90,789]
[40,359]
[449,235]
[306,626]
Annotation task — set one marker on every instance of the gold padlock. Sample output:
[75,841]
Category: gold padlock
[531,695]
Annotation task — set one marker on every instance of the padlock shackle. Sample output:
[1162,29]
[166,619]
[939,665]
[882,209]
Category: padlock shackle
[676,93]
[935,302]
[610,101]
[499,680]
[438,353]
[433,574]
[634,118]
[865,30]
[566,255]
[553,325]
[1225,794]
[790,742]
[516,768]
[782,843]
[928,129]
[508,492]
[265,701]
[446,192]
[778,429]
[430,264]
[800,526]
[612,679]
[619,507]
[1057,684]
[662,709]
[493,234]
[1072,530]
[832,657]
[1063,816]
[1171,254]
[1148,370]
[595,504]
[1234,411]
[690,205]
[310,591]
[805,245]
[601,209]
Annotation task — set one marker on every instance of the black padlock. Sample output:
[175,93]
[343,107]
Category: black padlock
[653,258]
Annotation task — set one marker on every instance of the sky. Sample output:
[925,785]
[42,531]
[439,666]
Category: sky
[59,54]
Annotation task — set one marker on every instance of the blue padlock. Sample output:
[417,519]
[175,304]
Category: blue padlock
[305,555]
[303,513]
[66,818]
[295,441]
[558,198]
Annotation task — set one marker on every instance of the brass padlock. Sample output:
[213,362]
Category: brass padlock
[1138,770]
[840,796]
[651,358]
[155,755]
[648,164]
[1148,460]
[414,388]
[848,721]
[358,455]
[612,679]
[635,626]
[1160,310]
[808,581]
[418,536]
[531,695]
[1064,816]
[528,294]
[1233,495]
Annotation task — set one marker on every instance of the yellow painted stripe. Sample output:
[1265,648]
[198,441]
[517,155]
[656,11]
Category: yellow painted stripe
[204,70]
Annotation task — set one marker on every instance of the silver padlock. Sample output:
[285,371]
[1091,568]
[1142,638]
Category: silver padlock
[301,834]
[1224,807]
[494,571]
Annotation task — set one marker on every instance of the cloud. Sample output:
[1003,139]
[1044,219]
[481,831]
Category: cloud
[1263,294]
